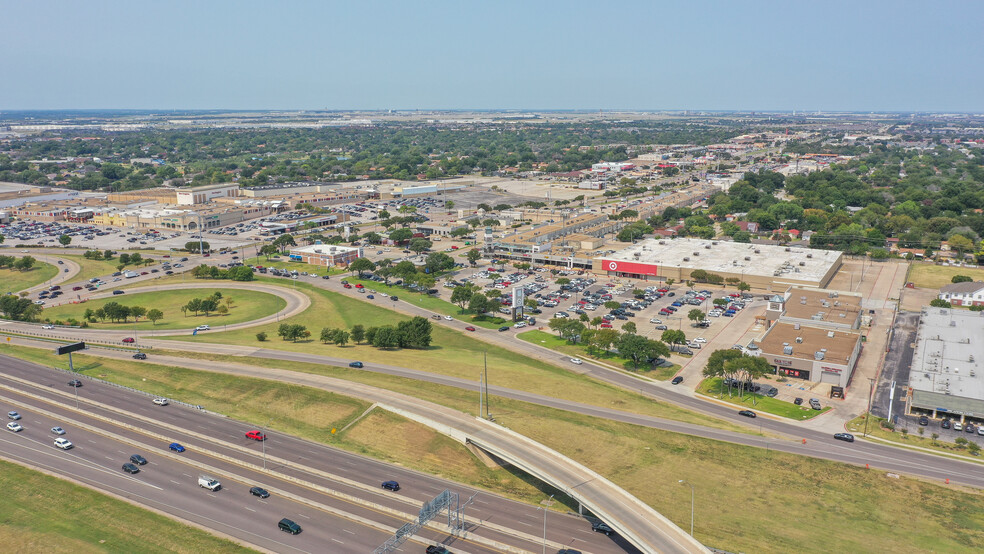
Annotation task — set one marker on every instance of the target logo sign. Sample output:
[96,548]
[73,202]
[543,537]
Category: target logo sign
[629,267]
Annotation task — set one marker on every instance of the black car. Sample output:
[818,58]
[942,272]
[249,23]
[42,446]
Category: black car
[75,383]
[503,328]
[115,292]
[130,468]
[138,459]
[139,356]
[391,486]
[437,549]
[970,428]
[747,413]
[261,492]
[945,424]
[847,437]
[602,527]
[924,421]
[798,401]
[394,298]
[677,380]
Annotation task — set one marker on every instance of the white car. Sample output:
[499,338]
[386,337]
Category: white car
[202,328]
[700,340]
[656,320]
[449,318]
[161,401]
[576,361]
[14,426]
[520,325]
[48,326]
[58,430]
[63,443]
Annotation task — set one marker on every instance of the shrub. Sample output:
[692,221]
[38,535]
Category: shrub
[261,336]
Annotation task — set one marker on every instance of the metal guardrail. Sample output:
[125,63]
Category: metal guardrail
[124,346]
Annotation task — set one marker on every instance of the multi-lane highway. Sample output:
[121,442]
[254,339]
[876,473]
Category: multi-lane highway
[335,490]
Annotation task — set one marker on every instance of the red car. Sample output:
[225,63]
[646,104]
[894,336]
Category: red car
[359,286]
[606,325]
[76,288]
[346,285]
[469,328]
[255,435]
[129,339]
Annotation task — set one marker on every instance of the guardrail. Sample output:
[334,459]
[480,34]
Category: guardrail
[124,346]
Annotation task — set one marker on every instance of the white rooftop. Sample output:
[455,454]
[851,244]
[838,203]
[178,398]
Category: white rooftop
[946,363]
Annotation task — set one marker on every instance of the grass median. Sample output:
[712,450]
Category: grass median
[558,344]
[715,388]
[92,268]
[246,306]
[739,489]
[41,513]
[920,436]
[15,280]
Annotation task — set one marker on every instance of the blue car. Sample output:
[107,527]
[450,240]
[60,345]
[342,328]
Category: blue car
[677,304]
[370,297]
[176,447]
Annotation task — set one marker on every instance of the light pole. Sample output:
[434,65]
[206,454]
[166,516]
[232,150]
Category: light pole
[549,500]
[871,392]
[691,505]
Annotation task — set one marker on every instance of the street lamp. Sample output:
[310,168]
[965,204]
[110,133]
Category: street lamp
[871,392]
[549,500]
[691,505]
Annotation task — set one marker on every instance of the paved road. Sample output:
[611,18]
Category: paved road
[318,464]
[62,276]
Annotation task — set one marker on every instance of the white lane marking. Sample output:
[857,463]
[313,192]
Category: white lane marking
[173,481]
[349,532]
[250,509]
[304,516]
[336,540]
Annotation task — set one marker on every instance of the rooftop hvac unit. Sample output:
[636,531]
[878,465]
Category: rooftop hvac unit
[837,303]
[662,242]
[636,254]
[799,340]
[818,355]
[817,317]
[785,344]
[953,324]
[830,334]
[707,246]
[748,258]
[787,350]
[803,301]
[823,349]
[686,259]
[696,253]
[809,255]
[842,314]
[834,294]
[796,326]
[714,243]
[825,304]
[802,264]
[757,251]
[788,249]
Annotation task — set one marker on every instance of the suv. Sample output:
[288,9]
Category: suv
[63,443]
[815,404]
[138,459]
[391,485]
[289,526]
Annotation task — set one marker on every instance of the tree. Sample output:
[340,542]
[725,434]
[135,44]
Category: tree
[563,281]
[137,312]
[473,255]
[194,305]
[460,232]
[635,347]
[748,368]
[107,255]
[438,261]
[596,321]
[695,315]
[611,305]
[362,265]
[716,363]
[341,337]
[222,309]
[415,333]
[261,336]
[960,244]
[358,333]
[603,339]
[385,337]
[25,263]
[479,303]
[383,214]
[268,249]
[961,279]
[629,327]
[155,315]
[65,240]
[284,241]
[292,331]
[673,336]
[940,303]
[401,235]
[418,245]
[743,286]
[100,314]
[327,335]
[461,295]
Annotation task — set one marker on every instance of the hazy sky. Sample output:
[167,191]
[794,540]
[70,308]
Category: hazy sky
[374,54]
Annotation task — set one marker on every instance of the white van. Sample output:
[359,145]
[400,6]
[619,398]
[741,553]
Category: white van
[206,482]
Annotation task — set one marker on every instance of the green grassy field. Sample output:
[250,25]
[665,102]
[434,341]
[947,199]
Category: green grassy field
[713,387]
[553,342]
[92,268]
[41,513]
[247,306]
[739,490]
[931,276]
[285,263]
[426,301]
[15,280]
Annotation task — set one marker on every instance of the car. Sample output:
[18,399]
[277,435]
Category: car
[15,427]
[700,340]
[176,447]
[660,327]
[655,320]
[130,468]
[924,421]
[13,415]
[437,549]
[160,401]
[504,328]
[815,404]
[58,430]
[391,486]
[355,364]
[601,527]
[846,437]
[118,292]
[448,318]
[76,288]
[259,491]
[371,296]
[747,413]
[394,298]
[970,428]
[435,316]
[129,340]
[202,328]
[945,424]
[255,435]
[63,443]
[138,459]
[957,426]
[75,383]
[139,356]
[48,326]
[677,380]
[288,526]
[576,361]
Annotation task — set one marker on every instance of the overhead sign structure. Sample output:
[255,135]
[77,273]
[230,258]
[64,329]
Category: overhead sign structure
[69,348]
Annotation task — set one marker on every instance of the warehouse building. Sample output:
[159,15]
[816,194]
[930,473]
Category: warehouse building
[767,267]
[946,379]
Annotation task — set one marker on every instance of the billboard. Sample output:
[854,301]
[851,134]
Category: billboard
[629,267]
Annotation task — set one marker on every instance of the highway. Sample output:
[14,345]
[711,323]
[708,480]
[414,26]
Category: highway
[137,419]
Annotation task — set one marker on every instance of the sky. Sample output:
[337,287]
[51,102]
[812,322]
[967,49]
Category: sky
[856,55]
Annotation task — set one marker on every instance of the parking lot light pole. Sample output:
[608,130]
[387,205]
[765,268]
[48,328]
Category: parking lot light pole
[691,505]
[549,500]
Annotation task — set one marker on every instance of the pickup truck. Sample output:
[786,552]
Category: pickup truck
[207,482]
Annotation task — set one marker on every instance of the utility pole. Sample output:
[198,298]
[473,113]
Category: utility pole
[871,391]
